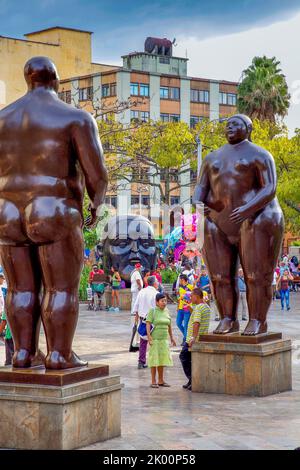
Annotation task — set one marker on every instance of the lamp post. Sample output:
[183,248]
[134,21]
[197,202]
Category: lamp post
[199,153]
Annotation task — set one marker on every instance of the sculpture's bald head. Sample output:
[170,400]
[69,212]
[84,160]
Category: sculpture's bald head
[41,72]
[238,128]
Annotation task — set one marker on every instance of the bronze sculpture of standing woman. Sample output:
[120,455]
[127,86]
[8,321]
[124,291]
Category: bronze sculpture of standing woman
[243,221]
[49,152]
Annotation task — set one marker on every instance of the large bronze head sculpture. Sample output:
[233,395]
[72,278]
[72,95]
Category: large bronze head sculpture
[127,240]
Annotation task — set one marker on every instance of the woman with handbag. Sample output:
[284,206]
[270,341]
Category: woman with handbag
[159,352]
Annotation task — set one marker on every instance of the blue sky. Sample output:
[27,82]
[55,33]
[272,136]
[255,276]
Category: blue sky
[220,37]
[121,26]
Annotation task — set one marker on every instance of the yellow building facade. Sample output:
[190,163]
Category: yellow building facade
[70,50]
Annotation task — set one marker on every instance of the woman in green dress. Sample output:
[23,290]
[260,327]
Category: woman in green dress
[159,352]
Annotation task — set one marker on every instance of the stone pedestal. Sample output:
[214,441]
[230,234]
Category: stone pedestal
[125,298]
[241,365]
[81,407]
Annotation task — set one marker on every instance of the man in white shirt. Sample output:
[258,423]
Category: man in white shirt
[144,302]
[136,284]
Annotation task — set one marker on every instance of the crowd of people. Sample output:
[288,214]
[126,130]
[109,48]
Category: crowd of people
[195,302]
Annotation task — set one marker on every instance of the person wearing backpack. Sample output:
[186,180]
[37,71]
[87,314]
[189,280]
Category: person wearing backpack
[146,299]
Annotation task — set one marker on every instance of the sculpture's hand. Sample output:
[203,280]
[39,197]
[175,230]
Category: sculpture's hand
[206,210]
[240,214]
[92,219]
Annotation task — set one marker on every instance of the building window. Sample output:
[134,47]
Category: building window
[164,117]
[82,94]
[231,99]
[170,117]
[134,115]
[68,97]
[86,94]
[144,116]
[200,96]
[164,93]
[194,120]
[112,201]
[113,89]
[174,93]
[135,200]
[105,90]
[146,200]
[134,89]
[139,115]
[227,98]
[164,60]
[169,93]
[175,200]
[144,89]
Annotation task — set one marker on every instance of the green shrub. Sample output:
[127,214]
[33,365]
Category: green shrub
[84,280]
[295,243]
[168,276]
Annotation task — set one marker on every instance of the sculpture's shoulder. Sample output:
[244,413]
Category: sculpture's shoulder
[260,153]
[11,108]
[214,155]
[80,117]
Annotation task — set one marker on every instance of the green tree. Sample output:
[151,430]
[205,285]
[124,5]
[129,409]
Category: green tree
[140,152]
[263,91]
[286,152]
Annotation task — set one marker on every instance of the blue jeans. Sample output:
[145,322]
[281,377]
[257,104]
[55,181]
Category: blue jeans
[285,294]
[182,321]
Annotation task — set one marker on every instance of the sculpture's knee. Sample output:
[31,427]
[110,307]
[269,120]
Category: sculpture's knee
[219,280]
[258,279]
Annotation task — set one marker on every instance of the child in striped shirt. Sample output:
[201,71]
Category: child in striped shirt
[198,325]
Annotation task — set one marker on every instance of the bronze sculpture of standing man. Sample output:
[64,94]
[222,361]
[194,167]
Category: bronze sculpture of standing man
[49,151]
[243,221]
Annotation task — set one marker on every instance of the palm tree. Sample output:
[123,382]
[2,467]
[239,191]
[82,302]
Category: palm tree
[263,91]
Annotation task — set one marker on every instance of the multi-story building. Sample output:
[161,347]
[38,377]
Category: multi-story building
[155,77]
[70,49]
[166,93]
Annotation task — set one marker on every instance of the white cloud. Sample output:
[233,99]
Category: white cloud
[225,57]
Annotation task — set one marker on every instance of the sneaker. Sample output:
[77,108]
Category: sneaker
[142,366]
[117,309]
[111,309]
[187,385]
[289,308]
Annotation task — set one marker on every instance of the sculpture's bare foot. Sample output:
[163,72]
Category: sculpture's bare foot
[56,360]
[227,325]
[255,327]
[22,358]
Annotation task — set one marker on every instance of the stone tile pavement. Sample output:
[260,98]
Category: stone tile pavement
[174,418]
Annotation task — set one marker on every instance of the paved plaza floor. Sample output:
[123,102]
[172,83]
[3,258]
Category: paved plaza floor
[174,418]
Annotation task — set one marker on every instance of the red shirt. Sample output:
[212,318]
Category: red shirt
[91,276]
